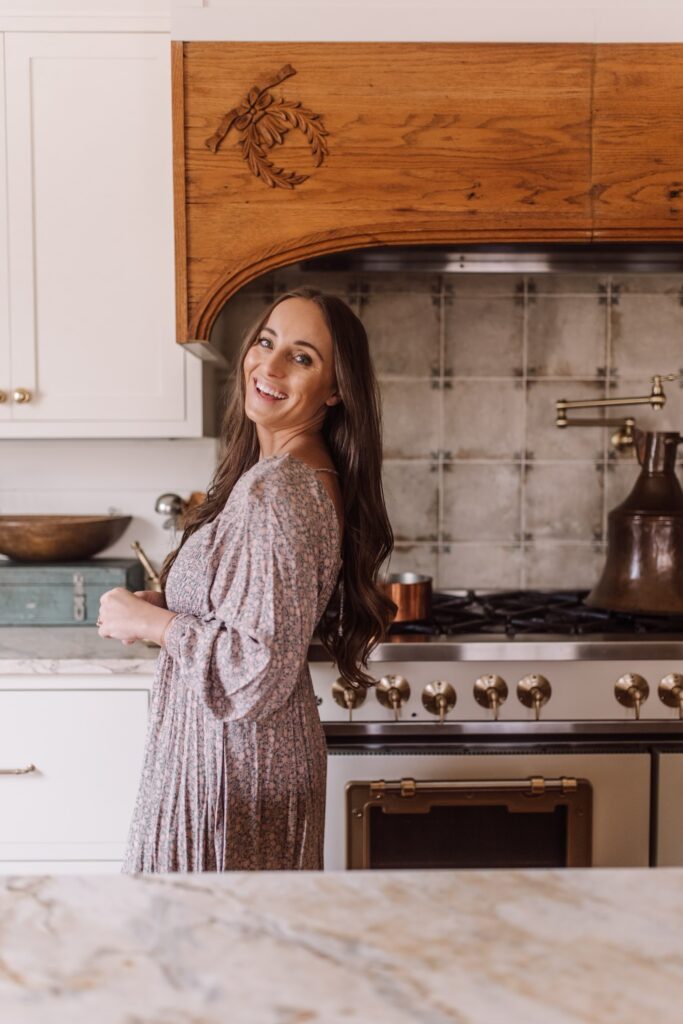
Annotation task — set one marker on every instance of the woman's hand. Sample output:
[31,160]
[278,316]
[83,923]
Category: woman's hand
[128,617]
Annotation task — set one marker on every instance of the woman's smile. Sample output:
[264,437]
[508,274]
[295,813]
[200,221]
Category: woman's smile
[267,392]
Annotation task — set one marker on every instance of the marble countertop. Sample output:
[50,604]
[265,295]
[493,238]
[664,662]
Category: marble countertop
[70,650]
[506,947]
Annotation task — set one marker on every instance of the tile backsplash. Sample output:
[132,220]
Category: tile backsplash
[482,489]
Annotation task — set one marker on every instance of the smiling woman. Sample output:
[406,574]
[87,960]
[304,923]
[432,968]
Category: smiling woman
[289,540]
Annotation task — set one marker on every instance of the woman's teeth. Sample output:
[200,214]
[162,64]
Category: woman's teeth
[263,389]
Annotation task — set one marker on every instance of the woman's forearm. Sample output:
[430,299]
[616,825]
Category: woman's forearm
[154,622]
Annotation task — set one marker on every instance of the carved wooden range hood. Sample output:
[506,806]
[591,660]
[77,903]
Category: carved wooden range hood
[287,151]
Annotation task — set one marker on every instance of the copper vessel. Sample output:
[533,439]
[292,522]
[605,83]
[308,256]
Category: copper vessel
[412,593]
[644,567]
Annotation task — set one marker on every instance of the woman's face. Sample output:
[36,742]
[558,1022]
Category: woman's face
[289,370]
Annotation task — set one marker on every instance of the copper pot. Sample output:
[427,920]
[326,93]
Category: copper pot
[412,593]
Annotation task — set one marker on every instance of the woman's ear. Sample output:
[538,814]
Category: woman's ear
[334,399]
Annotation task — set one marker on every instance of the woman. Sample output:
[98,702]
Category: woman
[290,538]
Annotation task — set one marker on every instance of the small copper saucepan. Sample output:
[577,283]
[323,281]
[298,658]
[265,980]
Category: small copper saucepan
[412,593]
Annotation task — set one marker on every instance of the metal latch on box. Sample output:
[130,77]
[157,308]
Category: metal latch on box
[80,610]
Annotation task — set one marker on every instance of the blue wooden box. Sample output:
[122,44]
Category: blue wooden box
[62,593]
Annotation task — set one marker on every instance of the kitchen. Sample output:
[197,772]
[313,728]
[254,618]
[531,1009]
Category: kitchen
[484,491]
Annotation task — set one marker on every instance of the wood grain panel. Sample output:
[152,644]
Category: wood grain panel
[638,142]
[428,143]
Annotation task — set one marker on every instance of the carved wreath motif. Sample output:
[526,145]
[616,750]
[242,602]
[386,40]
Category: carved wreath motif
[262,122]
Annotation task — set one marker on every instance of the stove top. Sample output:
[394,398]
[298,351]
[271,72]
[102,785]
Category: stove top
[535,612]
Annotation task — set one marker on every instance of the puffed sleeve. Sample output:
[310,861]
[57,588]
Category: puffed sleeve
[244,657]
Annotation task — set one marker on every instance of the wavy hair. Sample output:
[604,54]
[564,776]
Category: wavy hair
[352,431]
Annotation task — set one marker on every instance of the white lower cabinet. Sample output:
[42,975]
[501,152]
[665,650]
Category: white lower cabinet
[72,810]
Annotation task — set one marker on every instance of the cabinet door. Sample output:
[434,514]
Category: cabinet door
[86,746]
[5,407]
[91,234]
[637,153]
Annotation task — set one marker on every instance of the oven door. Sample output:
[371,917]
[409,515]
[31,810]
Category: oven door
[406,809]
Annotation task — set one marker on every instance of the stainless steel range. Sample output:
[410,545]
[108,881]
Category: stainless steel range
[517,729]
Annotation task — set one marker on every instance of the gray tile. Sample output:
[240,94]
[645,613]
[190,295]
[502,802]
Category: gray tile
[568,283]
[481,502]
[340,283]
[643,284]
[403,329]
[410,411]
[484,419]
[647,335]
[563,501]
[566,336]
[546,441]
[420,558]
[563,566]
[411,494]
[484,337]
[491,566]
[481,286]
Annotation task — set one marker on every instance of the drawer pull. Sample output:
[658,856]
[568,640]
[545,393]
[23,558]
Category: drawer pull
[18,771]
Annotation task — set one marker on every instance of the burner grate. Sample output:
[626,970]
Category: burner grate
[517,612]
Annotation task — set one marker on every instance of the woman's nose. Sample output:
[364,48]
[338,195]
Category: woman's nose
[276,364]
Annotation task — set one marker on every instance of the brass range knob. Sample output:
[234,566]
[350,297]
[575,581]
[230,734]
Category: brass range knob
[439,698]
[534,691]
[632,691]
[392,692]
[3,397]
[348,696]
[670,691]
[491,691]
[21,395]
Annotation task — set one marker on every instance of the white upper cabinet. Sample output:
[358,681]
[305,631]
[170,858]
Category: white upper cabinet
[90,278]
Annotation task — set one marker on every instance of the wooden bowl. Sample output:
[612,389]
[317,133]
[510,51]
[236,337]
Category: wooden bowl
[58,538]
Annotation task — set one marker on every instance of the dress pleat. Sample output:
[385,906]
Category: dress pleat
[234,767]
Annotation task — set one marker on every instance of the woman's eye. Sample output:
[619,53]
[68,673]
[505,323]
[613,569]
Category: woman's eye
[261,340]
[303,359]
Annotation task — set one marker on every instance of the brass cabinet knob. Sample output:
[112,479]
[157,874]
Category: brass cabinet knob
[3,397]
[21,395]
[632,690]
[491,691]
[670,691]
[439,698]
[533,692]
[392,692]
[348,696]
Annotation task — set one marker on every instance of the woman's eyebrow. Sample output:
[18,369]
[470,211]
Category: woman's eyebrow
[306,344]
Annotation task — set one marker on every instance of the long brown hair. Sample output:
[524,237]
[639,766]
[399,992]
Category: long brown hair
[352,432]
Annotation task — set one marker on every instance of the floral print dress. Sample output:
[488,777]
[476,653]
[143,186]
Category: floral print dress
[235,759]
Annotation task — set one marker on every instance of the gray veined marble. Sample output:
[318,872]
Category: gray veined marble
[505,947]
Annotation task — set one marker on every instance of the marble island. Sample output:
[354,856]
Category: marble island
[505,947]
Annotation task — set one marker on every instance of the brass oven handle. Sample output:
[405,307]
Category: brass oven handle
[18,771]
